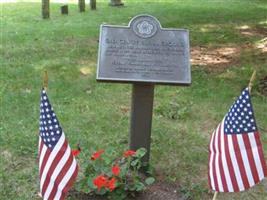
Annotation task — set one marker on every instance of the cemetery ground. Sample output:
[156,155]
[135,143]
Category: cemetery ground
[228,41]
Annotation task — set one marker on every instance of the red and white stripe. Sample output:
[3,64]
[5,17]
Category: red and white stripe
[57,169]
[236,161]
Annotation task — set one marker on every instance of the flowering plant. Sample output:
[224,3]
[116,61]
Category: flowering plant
[115,177]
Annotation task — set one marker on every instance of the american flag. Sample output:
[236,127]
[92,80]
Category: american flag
[236,160]
[57,166]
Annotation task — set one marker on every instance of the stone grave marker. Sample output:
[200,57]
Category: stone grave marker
[143,54]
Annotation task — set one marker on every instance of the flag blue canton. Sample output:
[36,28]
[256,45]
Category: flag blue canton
[240,118]
[49,128]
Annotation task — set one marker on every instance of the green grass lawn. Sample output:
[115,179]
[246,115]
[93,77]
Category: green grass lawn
[97,114]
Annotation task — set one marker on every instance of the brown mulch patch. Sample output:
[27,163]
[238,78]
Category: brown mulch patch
[262,45]
[157,191]
[220,58]
[215,58]
[253,31]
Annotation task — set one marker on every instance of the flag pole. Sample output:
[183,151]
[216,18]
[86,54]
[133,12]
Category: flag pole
[45,80]
[215,196]
[252,79]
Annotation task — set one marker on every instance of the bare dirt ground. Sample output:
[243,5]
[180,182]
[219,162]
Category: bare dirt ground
[161,191]
[223,57]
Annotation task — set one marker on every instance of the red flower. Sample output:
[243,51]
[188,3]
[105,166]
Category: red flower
[116,170]
[111,185]
[100,181]
[97,154]
[128,153]
[76,152]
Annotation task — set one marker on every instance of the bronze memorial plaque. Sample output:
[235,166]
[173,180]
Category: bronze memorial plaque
[143,51]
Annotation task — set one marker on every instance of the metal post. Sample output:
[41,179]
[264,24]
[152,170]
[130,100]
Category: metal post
[141,117]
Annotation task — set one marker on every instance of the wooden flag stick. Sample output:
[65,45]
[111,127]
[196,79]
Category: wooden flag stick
[45,80]
[215,196]
[252,79]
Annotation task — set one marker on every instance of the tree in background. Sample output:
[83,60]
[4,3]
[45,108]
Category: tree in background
[45,9]
[81,5]
[93,4]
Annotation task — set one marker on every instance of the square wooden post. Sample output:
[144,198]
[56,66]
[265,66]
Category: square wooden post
[141,117]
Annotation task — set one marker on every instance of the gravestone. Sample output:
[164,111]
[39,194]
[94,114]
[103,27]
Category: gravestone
[64,10]
[115,3]
[144,54]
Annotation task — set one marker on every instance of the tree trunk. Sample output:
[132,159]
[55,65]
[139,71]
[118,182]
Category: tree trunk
[45,9]
[82,5]
[93,4]
[115,3]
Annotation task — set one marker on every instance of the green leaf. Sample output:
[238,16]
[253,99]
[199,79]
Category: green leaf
[140,152]
[124,170]
[132,187]
[106,170]
[134,162]
[150,180]
[107,160]
[83,186]
[90,183]
[102,191]
[140,186]
[89,170]
[118,194]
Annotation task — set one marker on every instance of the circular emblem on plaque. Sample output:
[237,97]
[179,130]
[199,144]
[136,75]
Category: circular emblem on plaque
[144,26]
